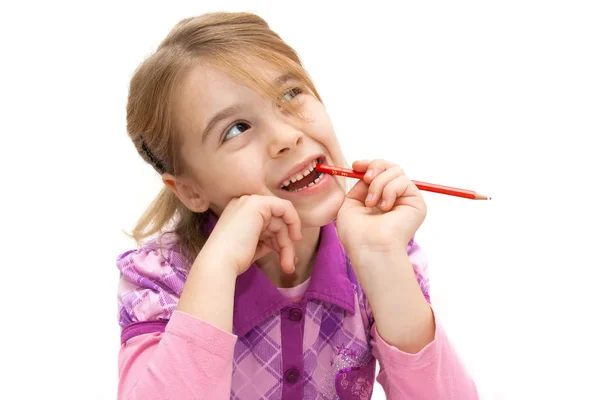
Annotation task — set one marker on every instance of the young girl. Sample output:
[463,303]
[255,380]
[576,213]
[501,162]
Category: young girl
[267,279]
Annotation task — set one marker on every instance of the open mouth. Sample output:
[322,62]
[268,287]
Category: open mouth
[307,178]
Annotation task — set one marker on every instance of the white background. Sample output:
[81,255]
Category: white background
[498,97]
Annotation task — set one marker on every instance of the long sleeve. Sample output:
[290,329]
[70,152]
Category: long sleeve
[436,372]
[191,359]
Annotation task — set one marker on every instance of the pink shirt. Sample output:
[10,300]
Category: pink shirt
[315,341]
[294,294]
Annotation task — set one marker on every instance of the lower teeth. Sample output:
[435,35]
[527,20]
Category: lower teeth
[319,177]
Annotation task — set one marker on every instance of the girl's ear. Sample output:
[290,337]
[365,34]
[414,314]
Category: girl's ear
[191,195]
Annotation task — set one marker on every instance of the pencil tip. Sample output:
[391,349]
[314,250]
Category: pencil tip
[481,197]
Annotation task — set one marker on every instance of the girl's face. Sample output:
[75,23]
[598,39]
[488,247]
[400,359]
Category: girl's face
[235,142]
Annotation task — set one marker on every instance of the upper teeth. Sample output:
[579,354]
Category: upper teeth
[301,175]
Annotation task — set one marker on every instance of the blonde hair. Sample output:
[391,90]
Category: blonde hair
[229,41]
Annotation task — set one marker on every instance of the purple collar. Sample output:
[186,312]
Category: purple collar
[256,298]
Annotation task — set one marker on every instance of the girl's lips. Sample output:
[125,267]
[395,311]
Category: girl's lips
[318,187]
[319,159]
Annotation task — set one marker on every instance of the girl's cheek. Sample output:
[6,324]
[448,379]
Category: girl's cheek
[324,133]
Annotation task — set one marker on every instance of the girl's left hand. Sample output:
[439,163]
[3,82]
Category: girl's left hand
[382,211]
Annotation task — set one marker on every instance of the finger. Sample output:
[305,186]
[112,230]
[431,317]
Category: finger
[268,235]
[276,237]
[393,191]
[285,210]
[287,260]
[271,232]
[270,206]
[261,250]
[379,183]
[287,250]
[375,168]
[273,243]
[360,165]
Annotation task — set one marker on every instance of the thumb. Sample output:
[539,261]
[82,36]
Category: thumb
[359,191]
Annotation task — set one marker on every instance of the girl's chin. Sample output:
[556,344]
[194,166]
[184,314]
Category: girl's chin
[324,212]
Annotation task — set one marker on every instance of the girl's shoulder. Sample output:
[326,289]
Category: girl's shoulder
[151,280]
[161,251]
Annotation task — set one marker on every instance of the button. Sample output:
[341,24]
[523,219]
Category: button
[295,314]
[292,375]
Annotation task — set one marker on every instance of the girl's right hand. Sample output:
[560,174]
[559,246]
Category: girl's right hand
[251,227]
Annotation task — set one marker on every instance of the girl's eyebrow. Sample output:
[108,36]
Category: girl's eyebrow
[221,115]
[229,111]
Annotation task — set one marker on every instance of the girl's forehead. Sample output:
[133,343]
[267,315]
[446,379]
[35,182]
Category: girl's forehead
[208,78]
[207,89]
[210,75]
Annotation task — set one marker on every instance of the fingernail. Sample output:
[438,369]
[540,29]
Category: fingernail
[369,173]
[383,203]
[369,197]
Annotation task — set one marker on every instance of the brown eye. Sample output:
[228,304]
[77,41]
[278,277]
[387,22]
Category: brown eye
[240,127]
[291,94]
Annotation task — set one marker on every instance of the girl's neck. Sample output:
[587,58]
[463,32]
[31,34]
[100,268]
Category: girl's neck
[306,251]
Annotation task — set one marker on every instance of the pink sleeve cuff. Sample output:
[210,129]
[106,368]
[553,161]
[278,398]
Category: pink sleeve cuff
[392,356]
[435,372]
[190,358]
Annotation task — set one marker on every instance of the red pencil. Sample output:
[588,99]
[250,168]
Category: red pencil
[429,187]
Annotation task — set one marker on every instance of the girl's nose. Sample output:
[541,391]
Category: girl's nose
[284,138]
